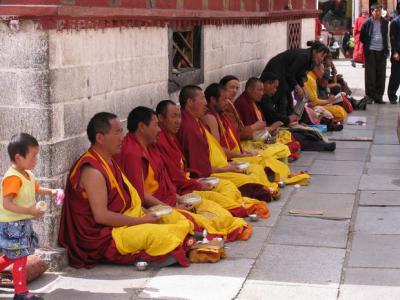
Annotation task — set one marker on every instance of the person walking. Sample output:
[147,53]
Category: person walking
[394,80]
[358,53]
[374,36]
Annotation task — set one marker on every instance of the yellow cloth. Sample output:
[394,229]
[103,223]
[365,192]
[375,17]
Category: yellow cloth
[154,239]
[311,87]
[25,197]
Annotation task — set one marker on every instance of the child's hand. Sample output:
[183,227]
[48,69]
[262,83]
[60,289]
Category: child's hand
[35,211]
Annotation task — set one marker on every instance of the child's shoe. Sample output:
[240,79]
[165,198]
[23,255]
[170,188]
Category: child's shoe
[27,296]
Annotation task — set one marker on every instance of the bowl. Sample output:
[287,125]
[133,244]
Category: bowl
[253,218]
[241,165]
[142,265]
[191,199]
[211,180]
[160,210]
[281,184]
[41,205]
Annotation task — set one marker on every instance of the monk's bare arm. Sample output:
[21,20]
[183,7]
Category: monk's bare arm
[93,182]
[212,124]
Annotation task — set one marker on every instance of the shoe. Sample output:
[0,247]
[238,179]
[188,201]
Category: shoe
[330,146]
[363,66]
[27,296]
[353,64]
[369,99]
[379,102]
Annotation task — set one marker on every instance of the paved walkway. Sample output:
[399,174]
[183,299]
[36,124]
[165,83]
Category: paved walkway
[349,252]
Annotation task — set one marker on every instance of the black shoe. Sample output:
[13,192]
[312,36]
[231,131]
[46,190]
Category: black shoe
[393,102]
[369,99]
[330,146]
[379,102]
[27,296]
[353,64]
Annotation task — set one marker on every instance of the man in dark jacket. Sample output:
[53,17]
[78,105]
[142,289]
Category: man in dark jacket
[394,80]
[374,36]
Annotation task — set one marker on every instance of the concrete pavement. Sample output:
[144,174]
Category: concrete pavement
[349,252]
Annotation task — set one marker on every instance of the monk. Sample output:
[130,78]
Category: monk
[311,88]
[203,152]
[225,193]
[140,156]
[103,220]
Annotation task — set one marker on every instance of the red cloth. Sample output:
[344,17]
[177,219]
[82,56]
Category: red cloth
[358,53]
[135,163]
[318,28]
[226,139]
[86,241]
[245,109]
[18,272]
[194,145]
[173,158]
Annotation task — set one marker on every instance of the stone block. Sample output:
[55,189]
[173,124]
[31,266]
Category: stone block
[250,248]
[385,160]
[299,265]
[375,251]
[333,184]
[27,48]
[56,258]
[345,154]
[352,145]
[378,220]
[327,167]
[8,88]
[379,182]
[200,281]
[70,83]
[310,232]
[34,121]
[33,86]
[47,229]
[253,289]
[380,198]
[4,159]
[332,206]
[352,134]
[385,150]
[306,159]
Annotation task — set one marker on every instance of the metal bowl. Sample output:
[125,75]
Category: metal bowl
[160,210]
[211,180]
[142,265]
[253,218]
[241,165]
[41,205]
[191,199]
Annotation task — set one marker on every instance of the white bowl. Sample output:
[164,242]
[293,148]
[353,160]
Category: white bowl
[241,165]
[191,199]
[142,265]
[160,210]
[41,205]
[211,180]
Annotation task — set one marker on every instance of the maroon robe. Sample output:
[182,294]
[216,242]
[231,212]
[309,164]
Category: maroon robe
[135,162]
[245,108]
[173,158]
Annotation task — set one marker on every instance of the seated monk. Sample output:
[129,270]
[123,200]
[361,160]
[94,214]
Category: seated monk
[246,130]
[103,220]
[224,132]
[311,88]
[203,153]
[140,156]
[225,193]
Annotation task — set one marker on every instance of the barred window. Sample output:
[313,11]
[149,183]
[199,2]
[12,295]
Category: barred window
[185,57]
[294,35]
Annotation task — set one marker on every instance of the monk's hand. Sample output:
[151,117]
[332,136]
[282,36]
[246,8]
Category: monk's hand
[206,186]
[298,90]
[235,169]
[249,153]
[396,56]
[33,211]
[259,125]
[150,219]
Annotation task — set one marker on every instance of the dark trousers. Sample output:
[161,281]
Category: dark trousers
[375,74]
[394,80]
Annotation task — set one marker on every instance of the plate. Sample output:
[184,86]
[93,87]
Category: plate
[241,165]
[191,199]
[160,210]
[212,180]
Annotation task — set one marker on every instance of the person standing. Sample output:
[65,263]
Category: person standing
[374,36]
[394,80]
[358,53]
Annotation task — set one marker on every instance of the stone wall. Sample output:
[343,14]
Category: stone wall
[53,82]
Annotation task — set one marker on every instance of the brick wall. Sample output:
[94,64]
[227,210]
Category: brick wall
[53,82]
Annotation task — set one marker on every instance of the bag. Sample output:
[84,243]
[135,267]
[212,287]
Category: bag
[210,252]
[346,104]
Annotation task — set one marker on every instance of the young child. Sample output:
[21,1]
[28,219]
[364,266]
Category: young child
[17,208]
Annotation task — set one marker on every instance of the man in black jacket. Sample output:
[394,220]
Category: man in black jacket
[374,36]
[394,80]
